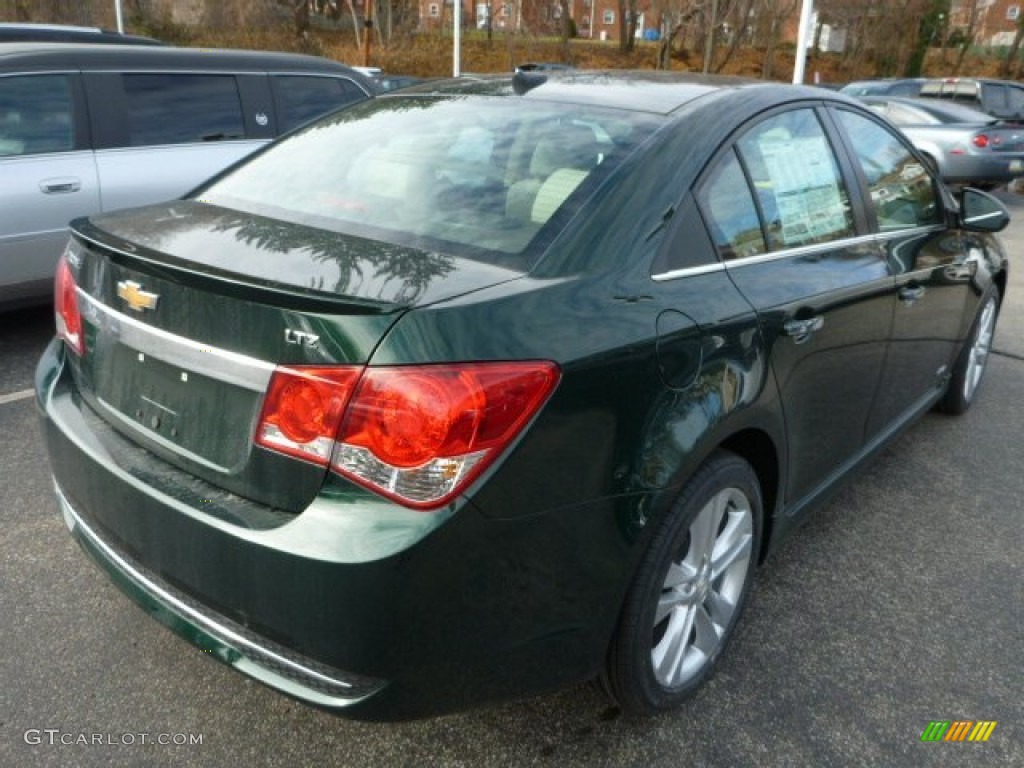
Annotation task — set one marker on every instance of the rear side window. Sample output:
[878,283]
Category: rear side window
[797,182]
[1015,100]
[993,98]
[182,108]
[35,115]
[729,211]
[300,99]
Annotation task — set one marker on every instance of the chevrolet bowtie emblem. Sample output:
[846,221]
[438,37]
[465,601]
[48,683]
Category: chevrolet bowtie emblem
[137,298]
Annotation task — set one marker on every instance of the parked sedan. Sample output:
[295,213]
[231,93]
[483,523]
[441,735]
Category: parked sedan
[965,146]
[891,86]
[465,392]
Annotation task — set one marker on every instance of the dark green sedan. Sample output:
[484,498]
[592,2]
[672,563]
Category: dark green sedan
[487,387]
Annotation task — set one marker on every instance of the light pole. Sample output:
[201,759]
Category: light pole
[801,41]
[457,39]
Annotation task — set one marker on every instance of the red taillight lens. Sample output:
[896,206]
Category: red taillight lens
[407,418]
[980,141]
[303,409]
[65,305]
[421,434]
[416,434]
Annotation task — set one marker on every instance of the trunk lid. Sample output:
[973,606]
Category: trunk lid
[188,309]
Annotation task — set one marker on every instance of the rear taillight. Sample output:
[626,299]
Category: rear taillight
[980,141]
[416,434]
[303,409]
[65,305]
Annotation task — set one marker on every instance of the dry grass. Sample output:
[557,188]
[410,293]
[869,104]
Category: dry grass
[431,55]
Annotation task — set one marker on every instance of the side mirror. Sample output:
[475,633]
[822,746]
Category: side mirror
[981,212]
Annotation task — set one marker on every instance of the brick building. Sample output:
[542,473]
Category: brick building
[995,23]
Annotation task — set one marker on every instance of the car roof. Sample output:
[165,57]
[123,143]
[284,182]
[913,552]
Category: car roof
[60,33]
[642,91]
[29,56]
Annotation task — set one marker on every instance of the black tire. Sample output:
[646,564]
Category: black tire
[661,654]
[970,364]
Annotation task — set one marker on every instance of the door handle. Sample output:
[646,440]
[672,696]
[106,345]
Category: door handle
[60,186]
[801,330]
[909,294]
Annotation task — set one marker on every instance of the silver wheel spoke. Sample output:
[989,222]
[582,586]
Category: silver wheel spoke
[668,655]
[708,633]
[704,529]
[719,607]
[733,544]
[680,591]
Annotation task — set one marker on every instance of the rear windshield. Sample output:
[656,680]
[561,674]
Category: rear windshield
[489,178]
[947,112]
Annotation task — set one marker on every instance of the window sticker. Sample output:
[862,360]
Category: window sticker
[805,189]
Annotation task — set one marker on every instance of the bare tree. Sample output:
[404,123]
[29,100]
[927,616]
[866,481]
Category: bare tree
[740,14]
[1010,64]
[675,15]
[969,33]
[627,25]
[773,14]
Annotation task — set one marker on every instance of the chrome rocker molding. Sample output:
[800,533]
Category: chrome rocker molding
[277,667]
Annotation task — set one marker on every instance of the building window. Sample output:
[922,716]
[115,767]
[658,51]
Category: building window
[505,10]
[608,17]
[434,10]
[1012,12]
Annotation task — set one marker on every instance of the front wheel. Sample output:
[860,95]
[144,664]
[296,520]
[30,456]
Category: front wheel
[689,590]
[970,364]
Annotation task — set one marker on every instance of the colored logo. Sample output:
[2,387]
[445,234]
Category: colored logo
[958,730]
[137,298]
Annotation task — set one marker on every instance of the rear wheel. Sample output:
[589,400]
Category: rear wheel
[689,590]
[970,365]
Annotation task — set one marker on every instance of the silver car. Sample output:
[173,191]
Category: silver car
[964,145]
[91,128]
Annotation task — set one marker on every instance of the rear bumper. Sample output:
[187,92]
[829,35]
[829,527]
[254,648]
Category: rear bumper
[347,606]
[231,643]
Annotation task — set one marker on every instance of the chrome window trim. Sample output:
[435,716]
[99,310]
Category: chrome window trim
[223,365]
[803,250]
[675,274]
[34,72]
[790,253]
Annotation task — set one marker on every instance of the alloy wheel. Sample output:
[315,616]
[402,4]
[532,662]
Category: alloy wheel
[702,588]
[980,347]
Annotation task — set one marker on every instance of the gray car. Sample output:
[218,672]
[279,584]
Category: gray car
[965,146]
[92,128]
[892,86]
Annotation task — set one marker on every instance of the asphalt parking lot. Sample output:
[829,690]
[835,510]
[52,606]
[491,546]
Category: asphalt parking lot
[899,603]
